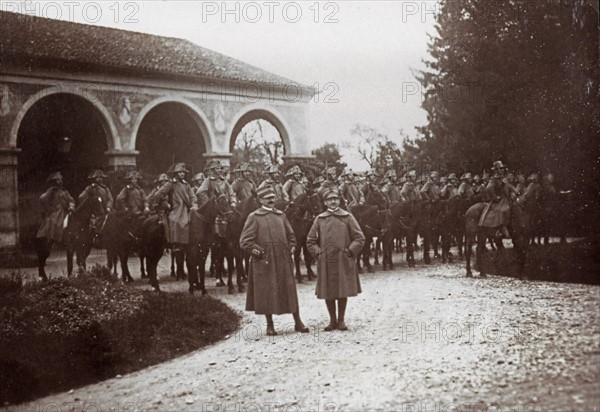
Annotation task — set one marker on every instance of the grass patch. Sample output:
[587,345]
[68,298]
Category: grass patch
[575,262]
[69,332]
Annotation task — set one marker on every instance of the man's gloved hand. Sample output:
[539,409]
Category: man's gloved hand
[108,210]
[348,253]
[146,210]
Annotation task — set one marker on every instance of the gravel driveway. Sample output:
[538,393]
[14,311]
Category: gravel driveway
[423,339]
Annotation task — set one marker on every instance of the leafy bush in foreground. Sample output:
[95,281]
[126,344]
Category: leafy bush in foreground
[69,332]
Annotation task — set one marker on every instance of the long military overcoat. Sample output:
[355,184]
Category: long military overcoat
[330,234]
[182,199]
[55,204]
[271,284]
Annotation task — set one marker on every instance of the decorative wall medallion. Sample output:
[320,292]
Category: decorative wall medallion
[220,123]
[124,110]
[4,100]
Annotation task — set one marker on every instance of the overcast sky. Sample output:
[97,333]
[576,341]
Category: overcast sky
[362,54]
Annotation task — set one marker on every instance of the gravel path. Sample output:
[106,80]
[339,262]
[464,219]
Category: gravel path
[423,339]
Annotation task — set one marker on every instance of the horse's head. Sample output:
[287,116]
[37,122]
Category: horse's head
[223,206]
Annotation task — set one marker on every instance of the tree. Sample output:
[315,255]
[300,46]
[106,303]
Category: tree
[515,81]
[329,155]
[259,144]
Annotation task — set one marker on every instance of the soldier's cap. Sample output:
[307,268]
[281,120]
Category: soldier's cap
[372,172]
[54,177]
[180,167]
[97,174]
[390,173]
[212,164]
[162,178]
[466,176]
[265,192]
[318,180]
[434,174]
[330,193]
[198,177]
[534,177]
[293,170]
[330,171]
[133,175]
[412,173]
[476,177]
[244,167]
[452,176]
[272,169]
[498,165]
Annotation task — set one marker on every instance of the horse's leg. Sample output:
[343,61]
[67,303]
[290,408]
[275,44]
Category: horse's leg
[203,254]
[410,249]
[308,261]
[297,264]
[239,268]
[376,252]
[172,262]
[70,252]
[192,262]
[143,257]
[218,258]
[230,269]
[246,266]
[468,251]
[367,255]
[123,257]
[42,249]
[481,239]
[179,262]
[358,259]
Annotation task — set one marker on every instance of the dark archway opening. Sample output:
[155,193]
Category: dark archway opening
[170,133]
[59,133]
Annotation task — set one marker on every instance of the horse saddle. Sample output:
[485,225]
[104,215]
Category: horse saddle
[220,228]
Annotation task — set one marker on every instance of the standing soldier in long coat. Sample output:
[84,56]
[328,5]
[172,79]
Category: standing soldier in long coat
[335,239]
[56,203]
[182,200]
[243,185]
[269,239]
[294,187]
[273,181]
[132,198]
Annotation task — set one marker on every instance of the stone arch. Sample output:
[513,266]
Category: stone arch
[255,112]
[199,118]
[113,141]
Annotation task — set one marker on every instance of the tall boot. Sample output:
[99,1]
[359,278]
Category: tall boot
[179,258]
[332,318]
[341,313]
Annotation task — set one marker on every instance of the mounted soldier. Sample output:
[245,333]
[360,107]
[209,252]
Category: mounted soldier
[182,200]
[497,193]
[273,181]
[350,190]
[243,186]
[160,206]
[132,199]
[215,185]
[329,182]
[294,187]
[431,190]
[98,190]
[197,181]
[451,189]
[56,204]
[408,192]
[520,187]
[370,183]
[389,187]
[465,190]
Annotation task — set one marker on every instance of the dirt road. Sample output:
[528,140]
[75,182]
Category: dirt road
[424,339]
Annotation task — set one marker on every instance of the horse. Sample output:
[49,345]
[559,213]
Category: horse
[77,236]
[402,216]
[430,228]
[374,220]
[122,236]
[520,227]
[228,247]
[202,238]
[112,252]
[452,213]
[301,214]
[154,243]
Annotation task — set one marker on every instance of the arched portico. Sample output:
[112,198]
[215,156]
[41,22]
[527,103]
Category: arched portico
[255,112]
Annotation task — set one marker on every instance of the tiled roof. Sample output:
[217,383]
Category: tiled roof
[35,42]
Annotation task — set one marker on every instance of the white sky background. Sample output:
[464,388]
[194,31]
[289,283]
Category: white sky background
[367,55]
